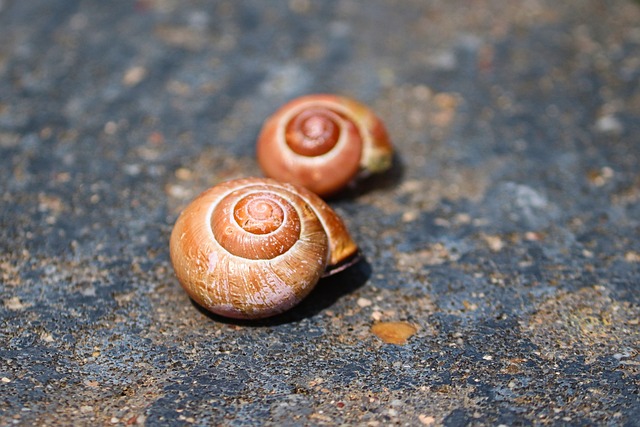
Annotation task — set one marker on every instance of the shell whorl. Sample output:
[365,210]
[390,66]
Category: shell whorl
[255,224]
[313,131]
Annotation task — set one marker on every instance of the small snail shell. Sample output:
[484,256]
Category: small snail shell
[253,248]
[323,142]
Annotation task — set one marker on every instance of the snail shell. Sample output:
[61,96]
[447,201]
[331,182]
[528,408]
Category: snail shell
[323,142]
[252,248]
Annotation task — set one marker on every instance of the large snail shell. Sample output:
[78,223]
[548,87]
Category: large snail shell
[323,142]
[253,248]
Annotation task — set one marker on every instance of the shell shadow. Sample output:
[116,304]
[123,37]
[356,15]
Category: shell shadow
[384,180]
[325,294]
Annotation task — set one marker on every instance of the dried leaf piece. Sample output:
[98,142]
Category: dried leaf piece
[394,332]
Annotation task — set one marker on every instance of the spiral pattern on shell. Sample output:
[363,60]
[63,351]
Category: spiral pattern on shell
[323,142]
[253,248]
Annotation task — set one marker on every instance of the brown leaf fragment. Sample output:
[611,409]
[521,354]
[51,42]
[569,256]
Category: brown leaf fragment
[394,332]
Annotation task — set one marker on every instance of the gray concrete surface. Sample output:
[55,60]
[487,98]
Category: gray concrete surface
[507,232]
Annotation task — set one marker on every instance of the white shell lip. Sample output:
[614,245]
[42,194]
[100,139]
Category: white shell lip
[343,265]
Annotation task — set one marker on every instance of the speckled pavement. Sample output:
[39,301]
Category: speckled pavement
[506,236]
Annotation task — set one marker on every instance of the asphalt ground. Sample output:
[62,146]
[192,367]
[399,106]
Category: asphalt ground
[505,238]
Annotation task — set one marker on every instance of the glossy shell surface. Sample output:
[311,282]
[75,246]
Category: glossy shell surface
[323,142]
[253,248]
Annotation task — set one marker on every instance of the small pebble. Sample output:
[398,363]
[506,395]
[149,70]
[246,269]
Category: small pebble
[134,75]
[427,420]
[495,243]
[632,256]
[363,302]
[609,124]
[14,304]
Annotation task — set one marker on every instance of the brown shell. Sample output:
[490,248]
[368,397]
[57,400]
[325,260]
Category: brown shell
[323,142]
[253,248]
